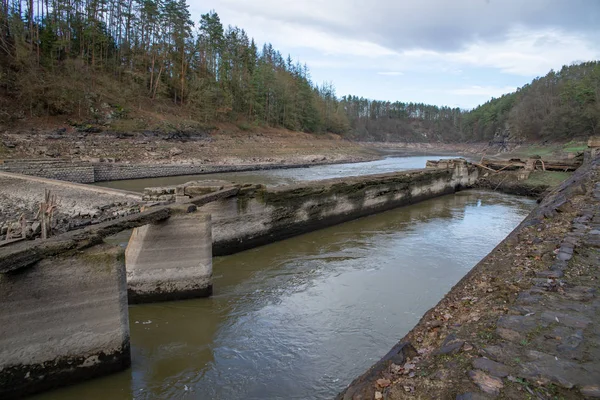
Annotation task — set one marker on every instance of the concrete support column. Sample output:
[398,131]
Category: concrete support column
[170,260]
[464,176]
[62,320]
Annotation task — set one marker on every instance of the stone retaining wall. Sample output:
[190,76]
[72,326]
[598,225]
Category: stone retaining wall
[84,172]
[60,170]
[115,172]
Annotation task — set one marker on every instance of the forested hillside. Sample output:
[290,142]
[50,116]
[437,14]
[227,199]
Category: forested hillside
[69,57]
[560,105]
[107,62]
[413,122]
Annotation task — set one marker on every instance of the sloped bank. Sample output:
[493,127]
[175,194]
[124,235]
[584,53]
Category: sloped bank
[523,322]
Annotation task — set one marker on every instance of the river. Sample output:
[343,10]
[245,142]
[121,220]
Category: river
[301,318]
[274,177]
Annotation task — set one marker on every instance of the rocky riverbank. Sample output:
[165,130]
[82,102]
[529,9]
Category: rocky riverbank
[524,323]
[217,147]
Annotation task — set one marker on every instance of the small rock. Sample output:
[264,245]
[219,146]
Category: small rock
[434,324]
[549,368]
[550,274]
[451,345]
[572,320]
[566,248]
[441,375]
[517,323]
[486,383]
[570,343]
[493,352]
[580,293]
[592,391]
[508,334]
[494,368]
[559,265]
[564,256]
[378,395]
[395,369]
[384,382]
[175,152]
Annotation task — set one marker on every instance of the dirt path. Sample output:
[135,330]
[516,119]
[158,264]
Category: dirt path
[523,324]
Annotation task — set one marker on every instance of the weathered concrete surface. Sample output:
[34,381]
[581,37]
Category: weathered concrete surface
[24,254]
[171,259]
[257,216]
[525,321]
[63,319]
[77,205]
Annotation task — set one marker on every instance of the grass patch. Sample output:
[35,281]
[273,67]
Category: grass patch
[245,126]
[575,147]
[530,151]
[549,151]
[549,178]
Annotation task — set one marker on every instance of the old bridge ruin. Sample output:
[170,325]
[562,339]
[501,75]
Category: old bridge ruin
[64,314]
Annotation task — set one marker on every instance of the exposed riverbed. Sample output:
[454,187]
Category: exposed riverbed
[300,318]
[274,177]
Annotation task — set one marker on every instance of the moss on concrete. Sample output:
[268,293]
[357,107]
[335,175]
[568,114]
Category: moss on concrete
[352,188]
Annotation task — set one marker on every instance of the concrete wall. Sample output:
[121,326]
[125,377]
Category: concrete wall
[260,216]
[171,259]
[63,319]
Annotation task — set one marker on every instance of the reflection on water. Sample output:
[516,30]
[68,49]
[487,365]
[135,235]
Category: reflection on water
[275,177]
[300,318]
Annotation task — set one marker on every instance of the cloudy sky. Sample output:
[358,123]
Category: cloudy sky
[444,52]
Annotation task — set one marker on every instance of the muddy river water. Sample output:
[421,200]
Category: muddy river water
[274,177]
[300,318]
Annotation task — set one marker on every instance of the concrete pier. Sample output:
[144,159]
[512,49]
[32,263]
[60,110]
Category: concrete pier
[170,259]
[62,320]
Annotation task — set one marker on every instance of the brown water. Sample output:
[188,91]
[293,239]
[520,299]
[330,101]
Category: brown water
[300,318]
[276,177]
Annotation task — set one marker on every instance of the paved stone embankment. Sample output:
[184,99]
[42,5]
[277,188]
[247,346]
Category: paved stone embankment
[523,324]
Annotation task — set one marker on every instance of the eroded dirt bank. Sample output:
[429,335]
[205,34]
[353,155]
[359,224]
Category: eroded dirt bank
[220,147]
[524,323]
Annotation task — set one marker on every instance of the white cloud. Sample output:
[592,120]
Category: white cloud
[527,52]
[487,91]
[467,50]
